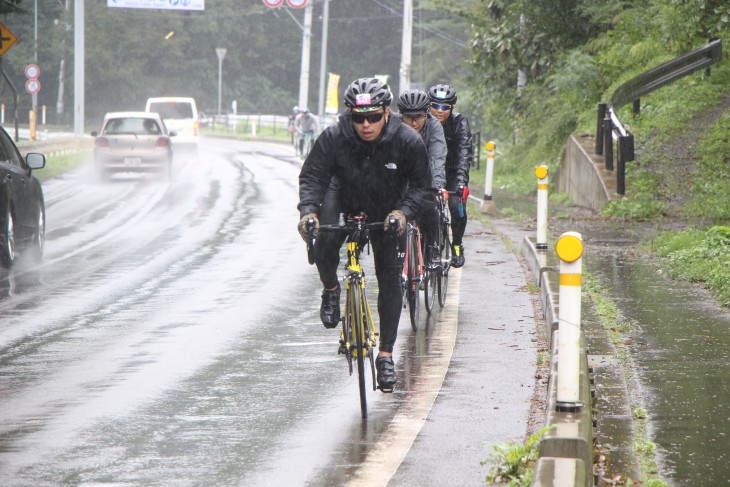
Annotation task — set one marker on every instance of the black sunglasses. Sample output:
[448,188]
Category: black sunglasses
[414,118]
[359,118]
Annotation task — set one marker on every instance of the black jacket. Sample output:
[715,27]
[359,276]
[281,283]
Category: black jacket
[376,178]
[460,152]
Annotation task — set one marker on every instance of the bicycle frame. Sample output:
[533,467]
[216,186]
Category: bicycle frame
[355,281]
[357,338]
[413,273]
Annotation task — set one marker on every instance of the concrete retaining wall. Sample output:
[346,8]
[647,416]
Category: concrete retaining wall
[582,174]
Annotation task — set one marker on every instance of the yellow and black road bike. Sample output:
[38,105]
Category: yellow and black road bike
[358,336]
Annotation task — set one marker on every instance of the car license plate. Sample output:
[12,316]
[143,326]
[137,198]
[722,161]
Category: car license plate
[132,161]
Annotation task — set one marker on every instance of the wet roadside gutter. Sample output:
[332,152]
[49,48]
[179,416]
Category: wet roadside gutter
[604,426]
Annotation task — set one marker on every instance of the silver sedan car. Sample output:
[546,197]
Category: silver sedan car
[133,142]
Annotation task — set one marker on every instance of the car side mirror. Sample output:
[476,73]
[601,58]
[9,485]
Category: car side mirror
[94,133]
[172,133]
[35,160]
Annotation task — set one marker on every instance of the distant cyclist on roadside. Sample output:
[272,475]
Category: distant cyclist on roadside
[305,124]
[458,161]
[292,119]
[368,161]
[413,107]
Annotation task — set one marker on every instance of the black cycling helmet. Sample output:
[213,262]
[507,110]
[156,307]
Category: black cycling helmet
[367,94]
[413,101]
[442,94]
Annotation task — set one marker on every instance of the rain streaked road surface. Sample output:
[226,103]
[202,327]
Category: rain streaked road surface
[171,337]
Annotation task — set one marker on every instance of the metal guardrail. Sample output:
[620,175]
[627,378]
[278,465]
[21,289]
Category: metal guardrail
[609,127]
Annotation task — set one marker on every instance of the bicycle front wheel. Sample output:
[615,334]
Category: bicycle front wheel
[356,314]
[413,283]
[430,290]
[443,280]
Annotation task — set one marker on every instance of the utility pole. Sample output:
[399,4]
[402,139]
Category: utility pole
[323,61]
[405,57]
[306,42]
[79,68]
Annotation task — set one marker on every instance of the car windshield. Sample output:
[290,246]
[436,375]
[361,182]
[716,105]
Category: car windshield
[139,126]
[172,109]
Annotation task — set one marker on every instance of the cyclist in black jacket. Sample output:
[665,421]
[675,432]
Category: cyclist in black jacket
[458,160]
[369,161]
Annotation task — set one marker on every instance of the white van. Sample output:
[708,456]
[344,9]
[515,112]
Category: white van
[179,114]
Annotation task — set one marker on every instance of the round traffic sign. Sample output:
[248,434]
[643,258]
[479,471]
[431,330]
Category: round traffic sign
[296,3]
[273,3]
[32,86]
[32,71]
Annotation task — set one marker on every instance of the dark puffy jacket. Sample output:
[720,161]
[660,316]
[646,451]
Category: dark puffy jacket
[460,155]
[376,178]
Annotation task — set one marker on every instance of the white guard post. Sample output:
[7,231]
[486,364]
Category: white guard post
[490,171]
[569,249]
[542,202]
[487,204]
[253,127]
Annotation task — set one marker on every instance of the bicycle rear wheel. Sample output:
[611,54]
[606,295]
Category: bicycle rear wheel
[356,315]
[413,283]
[443,280]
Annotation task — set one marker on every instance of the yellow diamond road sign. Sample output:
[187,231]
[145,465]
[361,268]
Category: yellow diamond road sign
[7,39]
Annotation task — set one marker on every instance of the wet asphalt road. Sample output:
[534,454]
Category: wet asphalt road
[171,337]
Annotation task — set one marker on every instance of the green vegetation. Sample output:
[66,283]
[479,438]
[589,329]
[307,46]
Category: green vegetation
[244,130]
[515,461]
[698,256]
[546,77]
[58,164]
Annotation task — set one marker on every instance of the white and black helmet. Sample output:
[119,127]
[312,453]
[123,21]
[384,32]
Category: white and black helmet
[413,101]
[442,94]
[368,93]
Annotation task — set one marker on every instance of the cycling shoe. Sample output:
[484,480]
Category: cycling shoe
[386,373]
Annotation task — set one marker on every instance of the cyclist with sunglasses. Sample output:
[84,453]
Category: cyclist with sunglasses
[369,161]
[413,107]
[458,161]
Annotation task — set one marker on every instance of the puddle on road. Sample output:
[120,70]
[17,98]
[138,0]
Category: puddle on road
[680,353]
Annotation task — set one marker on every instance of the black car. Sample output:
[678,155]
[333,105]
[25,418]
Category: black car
[22,210]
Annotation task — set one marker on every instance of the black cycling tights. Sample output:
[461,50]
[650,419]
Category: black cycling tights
[387,268]
[458,222]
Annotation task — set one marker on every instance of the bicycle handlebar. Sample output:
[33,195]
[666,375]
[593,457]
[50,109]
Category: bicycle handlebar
[350,224]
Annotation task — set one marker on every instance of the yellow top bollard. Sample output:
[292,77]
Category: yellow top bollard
[569,247]
[541,172]
[490,146]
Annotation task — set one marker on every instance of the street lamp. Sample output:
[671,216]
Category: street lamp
[221,52]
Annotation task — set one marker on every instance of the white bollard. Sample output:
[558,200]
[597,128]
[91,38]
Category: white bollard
[542,203]
[569,249]
[253,128]
[490,171]
[43,118]
[487,203]
[2,113]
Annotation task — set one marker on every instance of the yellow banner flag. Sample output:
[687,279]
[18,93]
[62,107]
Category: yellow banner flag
[332,105]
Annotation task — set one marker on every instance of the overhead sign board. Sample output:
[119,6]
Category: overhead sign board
[7,39]
[158,4]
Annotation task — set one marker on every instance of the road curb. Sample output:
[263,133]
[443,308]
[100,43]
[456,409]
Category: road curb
[566,450]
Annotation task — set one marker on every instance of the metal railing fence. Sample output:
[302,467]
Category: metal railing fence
[609,126]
